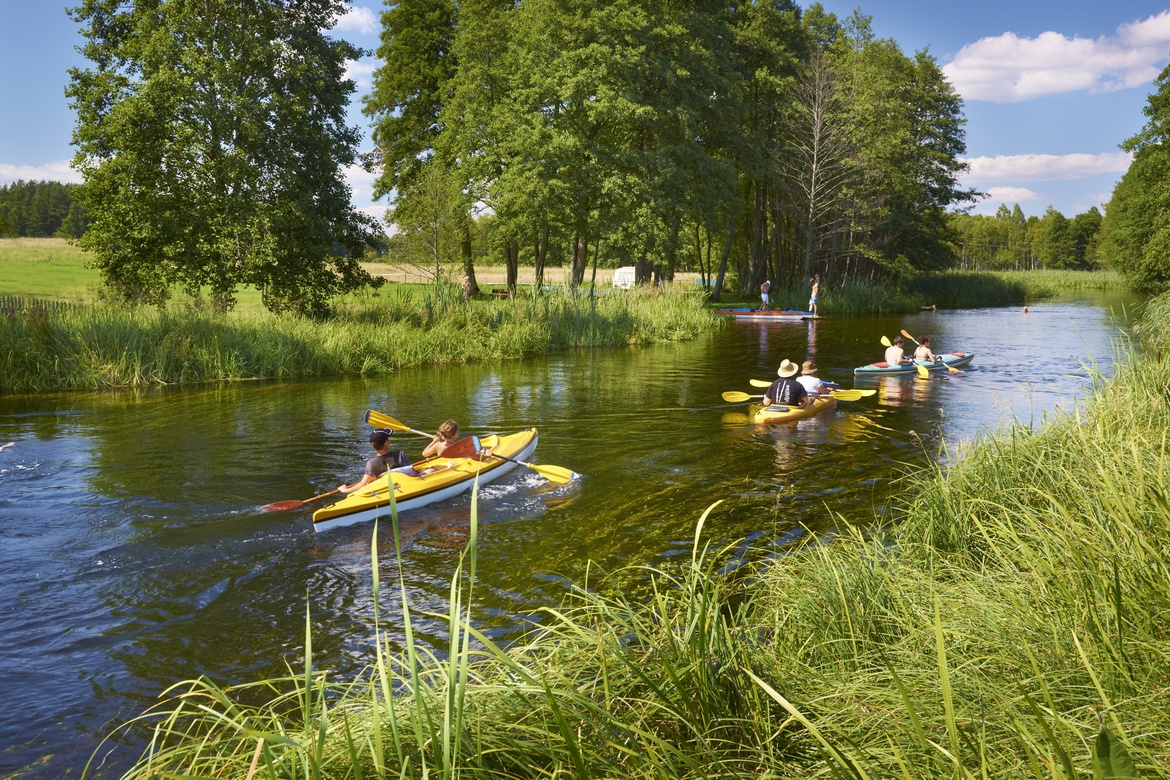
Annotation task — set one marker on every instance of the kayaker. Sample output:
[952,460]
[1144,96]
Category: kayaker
[812,383]
[765,288]
[786,390]
[378,465]
[446,435]
[895,355]
[923,352]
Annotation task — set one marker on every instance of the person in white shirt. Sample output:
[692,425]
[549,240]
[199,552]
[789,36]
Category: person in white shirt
[813,383]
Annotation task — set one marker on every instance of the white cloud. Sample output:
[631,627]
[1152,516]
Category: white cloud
[358,19]
[1010,69]
[361,183]
[362,71]
[58,170]
[1012,195]
[1044,167]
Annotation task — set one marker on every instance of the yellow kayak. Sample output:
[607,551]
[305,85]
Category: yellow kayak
[438,479]
[781,414]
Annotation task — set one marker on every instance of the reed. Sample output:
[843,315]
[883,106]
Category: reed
[93,347]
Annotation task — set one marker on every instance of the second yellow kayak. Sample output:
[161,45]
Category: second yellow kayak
[781,414]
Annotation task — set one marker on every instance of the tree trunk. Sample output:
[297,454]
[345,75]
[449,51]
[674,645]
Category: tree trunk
[472,287]
[541,254]
[511,263]
[593,280]
[727,244]
[757,265]
[642,270]
[580,259]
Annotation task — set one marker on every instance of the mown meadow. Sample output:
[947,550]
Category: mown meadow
[1005,617]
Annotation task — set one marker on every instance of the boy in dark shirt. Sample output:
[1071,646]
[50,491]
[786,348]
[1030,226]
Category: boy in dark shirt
[378,465]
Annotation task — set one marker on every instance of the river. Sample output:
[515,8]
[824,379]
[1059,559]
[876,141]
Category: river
[136,554]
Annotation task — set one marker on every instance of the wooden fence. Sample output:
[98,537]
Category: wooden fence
[12,304]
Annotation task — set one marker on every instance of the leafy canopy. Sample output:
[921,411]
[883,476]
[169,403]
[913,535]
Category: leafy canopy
[211,137]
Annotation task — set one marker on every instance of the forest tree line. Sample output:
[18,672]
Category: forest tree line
[41,209]
[749,141]
[1009,241]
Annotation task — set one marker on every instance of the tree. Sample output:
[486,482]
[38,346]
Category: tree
[211,136]
[910,141]
[1084,229]
[1135,233]
[429,217]
[818,144]
[1054,243]
[39,208]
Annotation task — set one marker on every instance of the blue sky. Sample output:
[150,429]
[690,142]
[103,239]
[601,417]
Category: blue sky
[1050,88]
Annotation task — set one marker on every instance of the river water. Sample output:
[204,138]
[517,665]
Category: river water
[136,554]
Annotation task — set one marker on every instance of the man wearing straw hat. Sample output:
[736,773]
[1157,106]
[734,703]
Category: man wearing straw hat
[786,390]
[812,383]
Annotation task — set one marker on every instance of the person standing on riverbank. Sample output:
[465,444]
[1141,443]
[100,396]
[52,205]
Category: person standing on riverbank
[816,291]
[383,461]
[765,288]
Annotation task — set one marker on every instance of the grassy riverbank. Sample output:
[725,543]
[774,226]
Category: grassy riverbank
[90,347]
[80,343]
[946,290]
[1010,620]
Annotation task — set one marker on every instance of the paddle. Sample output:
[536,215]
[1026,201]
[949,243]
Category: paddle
[735,397]
[551,473]
[283,506]
[950,369]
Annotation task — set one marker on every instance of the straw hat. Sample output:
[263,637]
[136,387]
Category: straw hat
[787,368]
[808,367]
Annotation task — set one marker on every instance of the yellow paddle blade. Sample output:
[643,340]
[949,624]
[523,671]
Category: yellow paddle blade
[379,420]
[922,372]
[850,395]
[886,342]
[759,383]
[556,474]
[734,397]
[907,335]
[953,370]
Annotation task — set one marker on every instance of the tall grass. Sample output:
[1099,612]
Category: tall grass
[849,298]
[946,290]
[967,289]
[100,347]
